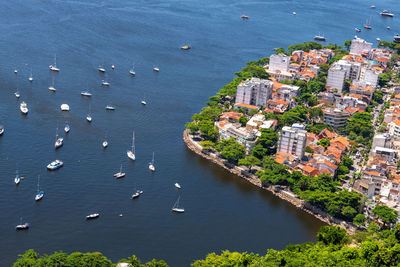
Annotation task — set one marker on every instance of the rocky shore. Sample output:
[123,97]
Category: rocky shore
[279,191]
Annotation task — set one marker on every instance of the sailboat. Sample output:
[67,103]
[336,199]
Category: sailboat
[105,83]
[137,193]
[144,102]
[17,94]
[30,77]
[105,143]
[86,93]
[156,69]
[15,71]
[22,226]
[1,130]
[39,194]
[89,117]
[131,153]
[176,208]
[67,128]
[367,24]
[119,174]
[151,165]
[59,140]
[17,178]
[132,71]
[177,185]
[51,87]
[101,68]
[54,67]
[92,216]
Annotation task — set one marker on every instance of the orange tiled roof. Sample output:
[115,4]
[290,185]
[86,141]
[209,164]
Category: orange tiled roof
[246,106]
[397,122]
[374,173]
[342,140]
[353,110]
[327,163]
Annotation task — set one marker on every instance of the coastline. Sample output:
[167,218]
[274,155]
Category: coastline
[277,190]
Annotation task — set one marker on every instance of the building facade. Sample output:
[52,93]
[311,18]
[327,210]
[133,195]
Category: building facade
[292,141]
[336,77]
[336,118]
[254,92]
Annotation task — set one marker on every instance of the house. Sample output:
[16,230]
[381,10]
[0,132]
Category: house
[326,134]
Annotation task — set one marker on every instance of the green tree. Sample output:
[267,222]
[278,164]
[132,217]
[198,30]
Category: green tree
[324,142]
[243,120]
[207,144]
[268,140]
[384,78]
[249,161]
[359,219]
[259,151]
[230,150]
[347,161]
[331,235]
[378,96]
[385,214]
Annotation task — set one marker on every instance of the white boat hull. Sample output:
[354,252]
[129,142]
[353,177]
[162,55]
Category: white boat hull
[131,155]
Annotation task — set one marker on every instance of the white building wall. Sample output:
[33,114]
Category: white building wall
[336,77]
[359,46]
[279,62]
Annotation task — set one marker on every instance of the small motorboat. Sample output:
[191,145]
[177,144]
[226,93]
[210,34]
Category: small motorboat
[185,47]
[86,93]
[396,38]
[132,72]
[357,29]
[244,16]
[59,143]
[92,216]
[144,102]
[151,165]
[52,88]
[137,194]
[177,185]
[24,108]
[1,129]
[372,6]
[55,165]
[386,13]
[156,69]
[294,13]
[388,27]
[319,38]
[378,39]
[112,66]
[17,94]
[105,83]
[119,174]
[17,178]
[64,107]
[22,226]
[30,79]
[101,69]
[368,27]
[67,128]
[109,107]
[89,118]
[15,71]
[105,144]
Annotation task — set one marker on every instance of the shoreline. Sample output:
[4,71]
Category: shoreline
[277,190]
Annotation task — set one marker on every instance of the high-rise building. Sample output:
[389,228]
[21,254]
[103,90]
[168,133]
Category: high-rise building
[292,141]
[254,92]
[336,77]
[335,117]
[369,75]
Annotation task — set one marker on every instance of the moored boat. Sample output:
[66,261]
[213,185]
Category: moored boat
[64,107]
[92,216]
[24,108]
[109,107]
[177,185]
[1,129]
[86,93]
[22,226]
[55,165]
[176,208]
[131,153]
[119,174]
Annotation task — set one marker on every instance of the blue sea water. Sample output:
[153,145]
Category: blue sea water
[222,212]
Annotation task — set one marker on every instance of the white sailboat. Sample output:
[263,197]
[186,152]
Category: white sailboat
[86,93]
[54,67]
[105,142]
[59,140]
[39,194]
[17,94]
[151,165]
[17,178]
[101,68]
[104,83]
[176,208]
[132,71]
[22,226]
[177,185]
[24,108]
[89,117]
[144,103]
[119,174]
[30,77]
[131,153]
[156,69]
[51,87]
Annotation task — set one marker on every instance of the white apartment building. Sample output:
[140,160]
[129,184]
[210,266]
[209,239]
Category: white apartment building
[370,76]
[254,92]
[279,63]
[359,46]
[292,141]
[394,128]
[336,77]
[382,140]
[353,69]
[335,117]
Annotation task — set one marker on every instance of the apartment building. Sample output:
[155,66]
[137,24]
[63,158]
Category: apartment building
[254,91]
[292,140]
[360,46]
[336,77]
[335,117]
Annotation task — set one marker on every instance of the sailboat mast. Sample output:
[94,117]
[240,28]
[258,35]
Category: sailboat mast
[133,142]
